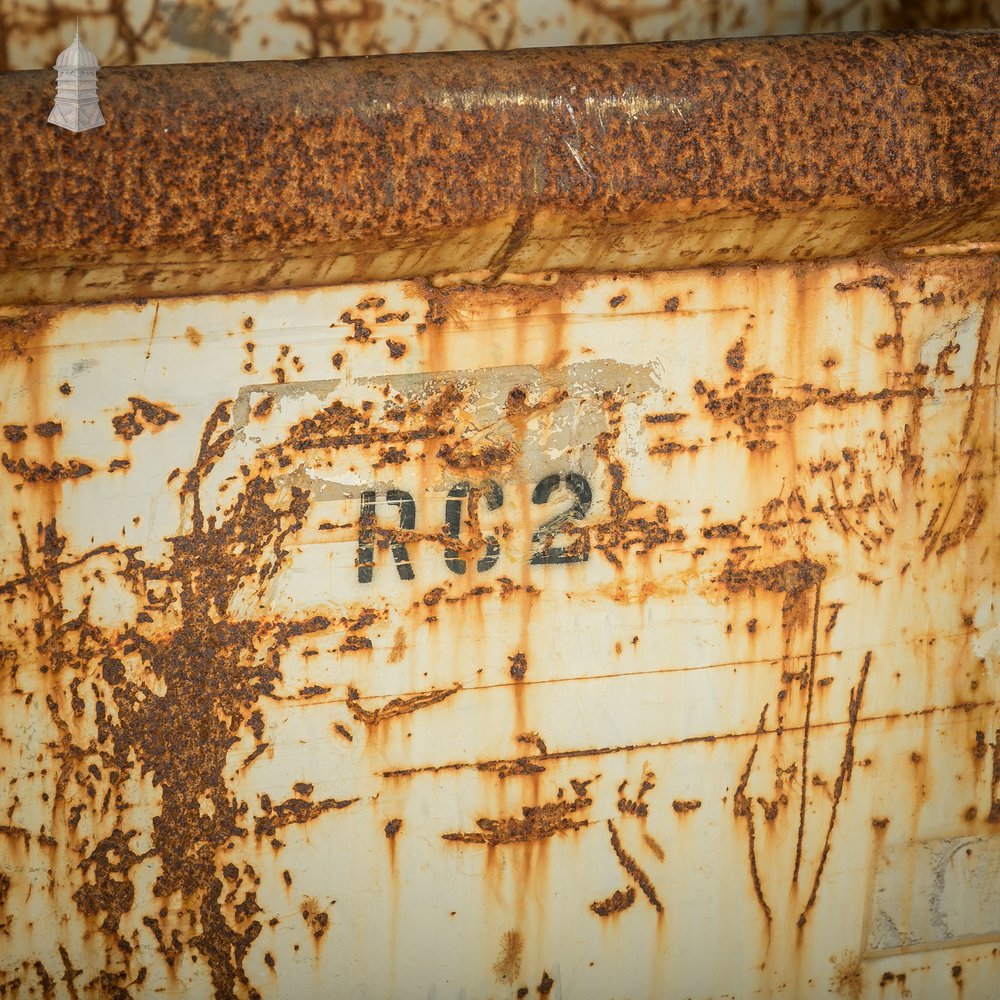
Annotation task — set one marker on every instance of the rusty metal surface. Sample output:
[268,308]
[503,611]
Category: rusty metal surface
[33,31]
[592,636]
[223,177]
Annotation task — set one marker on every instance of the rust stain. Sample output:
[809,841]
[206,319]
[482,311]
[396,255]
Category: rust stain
[293,811]
[518,666]
[396,706]
[507,967]
[535,823]
[743,808]
[654,846]
[793,578]
[631,866]
[142,414]
[757,409]
[848,979]
[844,776]
[36,472]
[686,805]
[615,903]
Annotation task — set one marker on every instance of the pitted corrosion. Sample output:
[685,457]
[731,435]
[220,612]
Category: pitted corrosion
[258,158]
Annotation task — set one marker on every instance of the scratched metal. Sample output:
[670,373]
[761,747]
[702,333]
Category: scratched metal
[580,636]
[32,32]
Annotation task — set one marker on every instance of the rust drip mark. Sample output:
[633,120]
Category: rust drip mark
[652,844]
[743,808]
[36,472]
[632,867]
[810,691]
[293,811]
[507,967]
[397,706]
[846,769]
[614,903]
[535,823]
[142,414]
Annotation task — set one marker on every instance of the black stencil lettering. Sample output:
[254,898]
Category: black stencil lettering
[366,534]
[453,524]
[545,551]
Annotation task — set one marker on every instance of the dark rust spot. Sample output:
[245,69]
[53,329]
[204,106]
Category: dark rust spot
[395,707]
[518,666]
[36,472]
[535,823]
[686,805]
[142,414]
[615,903]
[736,356]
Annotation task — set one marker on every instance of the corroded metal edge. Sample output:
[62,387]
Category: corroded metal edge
[220,177]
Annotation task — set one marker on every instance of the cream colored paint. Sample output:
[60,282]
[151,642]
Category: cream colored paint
[647,668]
